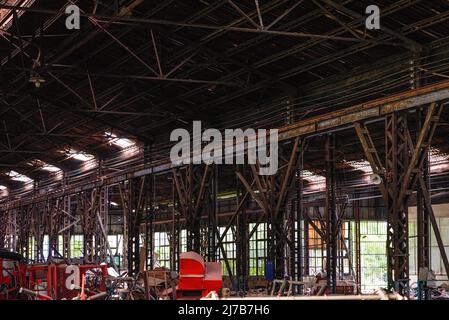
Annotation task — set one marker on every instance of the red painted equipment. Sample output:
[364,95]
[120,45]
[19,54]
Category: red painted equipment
[51,280]
[196,277]
[11,275]
[48,281]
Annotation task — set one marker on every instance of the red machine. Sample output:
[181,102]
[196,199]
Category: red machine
[56,282]
[48,281]
[196,277]
[11,274]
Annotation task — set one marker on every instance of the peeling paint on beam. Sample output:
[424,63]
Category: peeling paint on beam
[372,110]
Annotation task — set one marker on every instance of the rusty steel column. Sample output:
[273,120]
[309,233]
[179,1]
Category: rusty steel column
[214,223]
[297,219]
[23,225]
[405,166]
[193,184]
[242,239]
[47,223]
[212,214]
[38,230]
[357,249]
[422,213]
[101,217]
[331,215]
[397,160]
[11,230]
[91,208]
[149,224]
[193,232]
[85,204]
[55,223]
[293,226]
[175,238]
[306,243]
[132,197]
[67,227]
[3,225]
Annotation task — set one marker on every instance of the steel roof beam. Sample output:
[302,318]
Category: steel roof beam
[408,43]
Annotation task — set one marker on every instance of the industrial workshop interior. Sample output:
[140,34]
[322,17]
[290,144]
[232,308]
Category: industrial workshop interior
[224,150]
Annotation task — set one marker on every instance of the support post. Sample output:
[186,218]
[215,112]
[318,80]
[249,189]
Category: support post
[422,214]
[331,215]
[397,160]
[242,240]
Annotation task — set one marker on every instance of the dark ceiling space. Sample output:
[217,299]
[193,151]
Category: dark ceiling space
[140,69]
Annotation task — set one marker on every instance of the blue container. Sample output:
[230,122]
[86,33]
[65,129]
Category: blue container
[269,271]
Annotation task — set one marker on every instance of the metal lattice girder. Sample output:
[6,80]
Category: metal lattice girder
[331,215]
[125,198]
[85,209]
[88,207]
[101,217]
[11,230]
[212,220]
[176,230]
[296,220]
[132,195]
[374,110]
[38,230]
[68,222]
[242,233]
[420,150]
[407,42]
[404,166]
[192,185]
[422,228]
[134,216]
[357,249]
[397,160]
[23,225]
[55,216]
[150,193]
[3,225]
